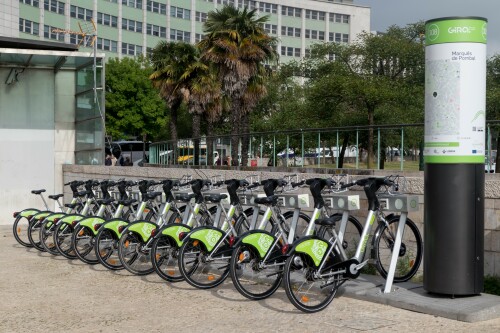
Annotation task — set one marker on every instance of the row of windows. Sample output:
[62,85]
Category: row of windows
[30,2]
[271,28]
[290,51]
[291,11]
[315,34]
[250,4]
[133,3]
[131,49]
[180,12]
[155,30]
[268,7]
[107,45]
[106,19]
[80,13]
[48,32]
[315,15]
[180,35]
[339,18]
[290,31]
[54,6]
[156,7]
[132,25]
[29,27]
[200,17]
[338,37]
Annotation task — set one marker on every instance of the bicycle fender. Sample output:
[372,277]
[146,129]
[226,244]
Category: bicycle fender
[259,239]
[43,214]
[143,228]
[90,222]
[69,219]
[173,231]
[52,217]
[114,224]
[28,212]
[208,235]
[312,246]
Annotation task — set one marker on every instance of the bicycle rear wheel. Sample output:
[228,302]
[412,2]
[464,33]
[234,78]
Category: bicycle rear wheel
[20,230]
[83,244]
[62,239]
[250,277]
[47,237]
[106,249]
[164,255]
[304,291]
[34,235]
[410,253]
[134,254]
[198,269]
[352,233]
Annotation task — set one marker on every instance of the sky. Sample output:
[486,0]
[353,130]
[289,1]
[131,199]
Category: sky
[385,13]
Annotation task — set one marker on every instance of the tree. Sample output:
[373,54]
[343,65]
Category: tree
[237,44]
[493,98]
[133,107]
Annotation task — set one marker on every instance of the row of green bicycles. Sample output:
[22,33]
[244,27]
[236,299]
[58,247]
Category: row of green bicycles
[204,231]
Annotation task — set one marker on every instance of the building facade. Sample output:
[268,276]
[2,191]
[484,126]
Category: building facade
[133,27]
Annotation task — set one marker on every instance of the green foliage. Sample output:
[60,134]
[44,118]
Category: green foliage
[492,285]
[133,106]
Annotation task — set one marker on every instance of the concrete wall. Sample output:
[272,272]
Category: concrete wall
[9,18]
[415,185]
[36,136]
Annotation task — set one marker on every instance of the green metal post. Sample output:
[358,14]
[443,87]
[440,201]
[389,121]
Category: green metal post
[401,154]
[378,150]
[261,149]
[338,152]
[357,149]
[274,150]
[302,147]
[287,145]
[319,149]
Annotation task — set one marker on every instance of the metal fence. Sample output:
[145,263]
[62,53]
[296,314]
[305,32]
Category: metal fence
[395,147]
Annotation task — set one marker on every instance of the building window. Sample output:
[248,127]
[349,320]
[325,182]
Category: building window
[75,39]
[200,17]
[107,45]
[226,2]
[81,13]
[198,37]
[338,37]
[33,3]
[208,0]
[315,15]
[48,33]
[290,51]
[268,7]
[271,28]
[180,35]
[29,27]
[133,3]
[155,30]
[54,6]
[291,11]
[106,19]
[181,13]
[131,49]
[290,31]
[156,7]
[131,25]
[339,18]
[250,4]
[315,34]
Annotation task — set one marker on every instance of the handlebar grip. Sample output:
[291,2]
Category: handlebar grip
[348,185]
[254,185]
[298,184]
[219,183]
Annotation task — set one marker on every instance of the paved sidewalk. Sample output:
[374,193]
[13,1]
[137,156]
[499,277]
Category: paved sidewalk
[44,293]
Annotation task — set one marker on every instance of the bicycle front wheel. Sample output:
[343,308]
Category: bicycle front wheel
[83,244]
[251,277]
[410,253]
[304,291]
[199,268]
[134,254]
[34,235]
[47,237]
[351,233]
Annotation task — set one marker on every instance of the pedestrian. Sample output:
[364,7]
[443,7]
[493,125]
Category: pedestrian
[108,160]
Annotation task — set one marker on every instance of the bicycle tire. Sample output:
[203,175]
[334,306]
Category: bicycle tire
[164,256]
[410,253]
[303,291]
[302,224]
[201,274]
[352,234]
[63,240]
[47,237]
[106,249]
[244,221]
[83,244]
[34,235]
[20,230]
[248,278]
[133,256]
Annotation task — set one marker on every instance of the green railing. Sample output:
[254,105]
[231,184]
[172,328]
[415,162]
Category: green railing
[395,147]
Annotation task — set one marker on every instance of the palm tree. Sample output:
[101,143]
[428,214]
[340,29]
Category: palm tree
[235,41]
[172,62]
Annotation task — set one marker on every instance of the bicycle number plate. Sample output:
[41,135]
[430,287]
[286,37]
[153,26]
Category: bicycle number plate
[342,202]
[399,203]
